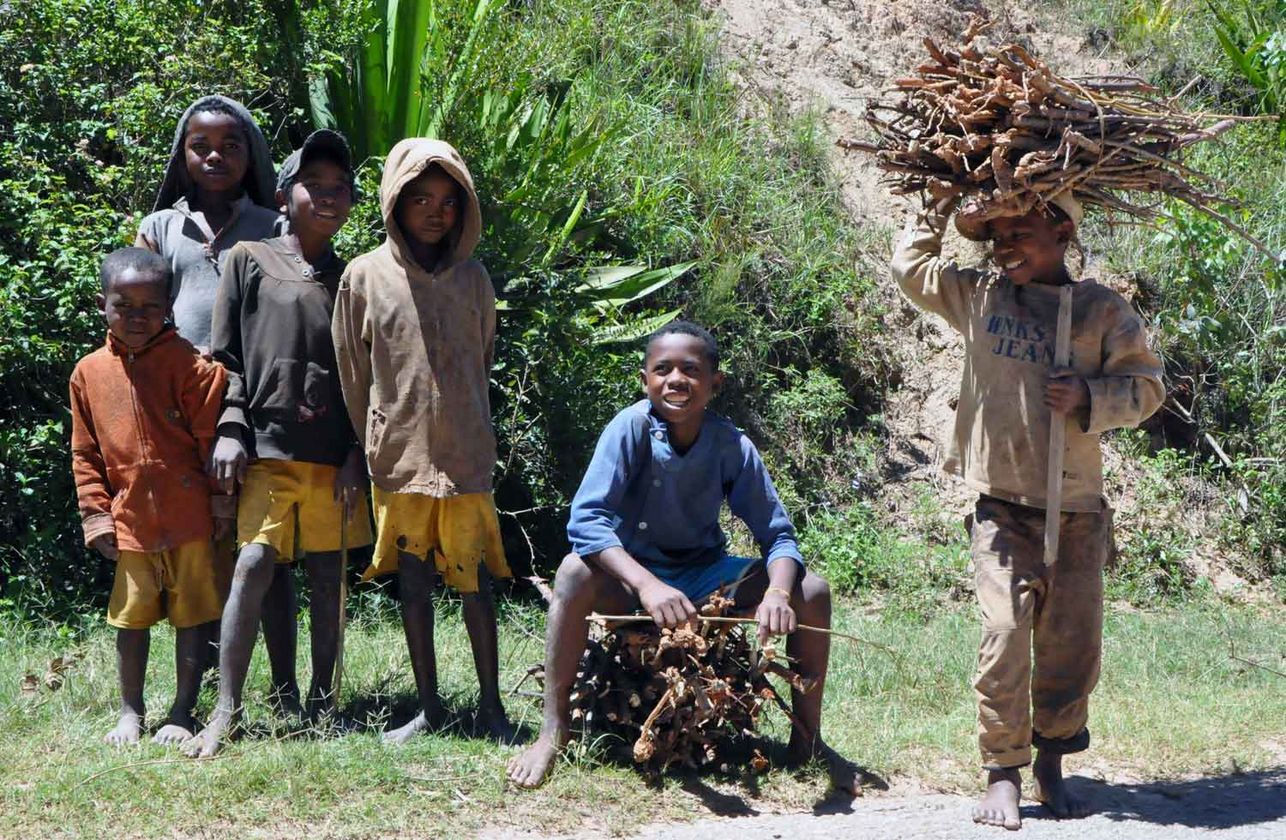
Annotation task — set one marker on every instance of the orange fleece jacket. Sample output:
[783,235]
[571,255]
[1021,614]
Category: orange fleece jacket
[142,426]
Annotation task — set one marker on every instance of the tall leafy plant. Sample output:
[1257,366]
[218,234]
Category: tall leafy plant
[1252,34]
[383,94]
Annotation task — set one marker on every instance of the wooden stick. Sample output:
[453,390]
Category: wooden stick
[1057,431]
[728,619]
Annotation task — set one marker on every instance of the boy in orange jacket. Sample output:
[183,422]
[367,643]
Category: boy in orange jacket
[144,408]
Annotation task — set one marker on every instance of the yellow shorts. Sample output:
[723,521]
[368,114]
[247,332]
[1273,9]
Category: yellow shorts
[463,532]
[177,584]
[291,505]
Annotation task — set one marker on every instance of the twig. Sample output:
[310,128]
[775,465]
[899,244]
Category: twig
[133,764]
[728,619]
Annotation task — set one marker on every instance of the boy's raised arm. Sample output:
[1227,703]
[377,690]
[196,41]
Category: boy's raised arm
[1130,389]
[931,282]
[88,468]
[352,354]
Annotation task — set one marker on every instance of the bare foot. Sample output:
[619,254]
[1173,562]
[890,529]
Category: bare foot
[530,767]
[999,805]
[1051,790]
[844,774]
[208,742]
[285,701]
[494,723]
[174,732]
[126,731]
[425,720]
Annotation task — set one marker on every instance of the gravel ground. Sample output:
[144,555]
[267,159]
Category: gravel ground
[1246,806]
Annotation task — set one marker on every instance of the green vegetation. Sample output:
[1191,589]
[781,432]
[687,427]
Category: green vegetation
[1217,307]
[600,134]
[1165,708]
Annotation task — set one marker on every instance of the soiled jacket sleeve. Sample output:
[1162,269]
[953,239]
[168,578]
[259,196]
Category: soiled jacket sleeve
[202,397]
[89,470]
[596,509]
[487,308]
[753,499]
[225,339]
[931,282]
[352,353]
[1130,389]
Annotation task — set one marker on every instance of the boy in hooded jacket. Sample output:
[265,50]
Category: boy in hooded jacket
[219,189]
[414,331]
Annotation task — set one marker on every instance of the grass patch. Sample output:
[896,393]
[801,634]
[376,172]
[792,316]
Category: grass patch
[1172,702]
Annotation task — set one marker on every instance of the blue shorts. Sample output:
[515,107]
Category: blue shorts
[697,580]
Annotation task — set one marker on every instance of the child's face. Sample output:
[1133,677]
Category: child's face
[135,306]
[320,199]
[1029,249]
[217,152]
[678,378]
[428,207]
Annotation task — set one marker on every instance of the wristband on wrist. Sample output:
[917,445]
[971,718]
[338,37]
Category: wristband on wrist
[777,589]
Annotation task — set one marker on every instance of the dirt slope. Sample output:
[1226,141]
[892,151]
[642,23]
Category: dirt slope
[830,57]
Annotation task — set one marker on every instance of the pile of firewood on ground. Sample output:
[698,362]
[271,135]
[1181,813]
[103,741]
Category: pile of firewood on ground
[691,697]
[1002,130]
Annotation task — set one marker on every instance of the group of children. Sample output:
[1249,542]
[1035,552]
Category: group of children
[253,385]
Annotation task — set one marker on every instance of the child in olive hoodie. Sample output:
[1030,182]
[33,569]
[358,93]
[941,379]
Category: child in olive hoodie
[414,329]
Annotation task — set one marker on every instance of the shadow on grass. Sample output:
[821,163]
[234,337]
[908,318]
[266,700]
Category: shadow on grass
[1216,802]
[378,711]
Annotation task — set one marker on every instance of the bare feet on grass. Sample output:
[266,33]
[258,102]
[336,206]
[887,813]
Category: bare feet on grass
[427,719]
[208,742]
[845,775]
[176,730]
[1051,789]
[493,723]
[284,700]
[530,767]
[126,731]
[999,805]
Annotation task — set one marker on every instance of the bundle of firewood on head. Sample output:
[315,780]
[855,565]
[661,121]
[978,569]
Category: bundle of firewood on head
[1006,134]
[689,696]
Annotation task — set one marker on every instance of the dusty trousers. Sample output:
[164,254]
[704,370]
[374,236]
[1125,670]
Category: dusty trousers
[1042,629]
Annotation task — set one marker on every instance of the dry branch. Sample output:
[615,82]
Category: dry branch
[999,128]
[691,696]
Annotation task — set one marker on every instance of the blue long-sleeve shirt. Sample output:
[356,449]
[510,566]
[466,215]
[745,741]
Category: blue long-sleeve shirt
[663,507]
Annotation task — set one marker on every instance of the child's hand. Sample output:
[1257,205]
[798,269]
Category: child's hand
[775,616]
[668,606]
[223,527]
[350,480]
[228,463]
[105,544]
[1065,391]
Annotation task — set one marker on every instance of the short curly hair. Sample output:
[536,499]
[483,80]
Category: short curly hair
[697,331]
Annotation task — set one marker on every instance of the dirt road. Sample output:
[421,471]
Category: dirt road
[1246,806]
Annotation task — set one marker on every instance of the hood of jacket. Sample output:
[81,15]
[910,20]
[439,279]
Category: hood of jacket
[260,181]
[404,164]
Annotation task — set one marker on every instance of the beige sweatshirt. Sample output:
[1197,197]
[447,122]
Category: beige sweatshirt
[1001,441]
[414,348]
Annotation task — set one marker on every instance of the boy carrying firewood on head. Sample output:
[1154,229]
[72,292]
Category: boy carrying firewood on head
[1052,614]
[645,532]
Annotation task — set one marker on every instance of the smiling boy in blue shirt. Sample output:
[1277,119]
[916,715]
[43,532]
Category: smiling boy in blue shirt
[644,530]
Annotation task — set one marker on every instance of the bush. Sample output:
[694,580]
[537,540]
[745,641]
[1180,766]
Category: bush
[92,89]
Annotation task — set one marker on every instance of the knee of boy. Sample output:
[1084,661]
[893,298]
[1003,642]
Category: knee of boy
[573,575]
[817,592]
